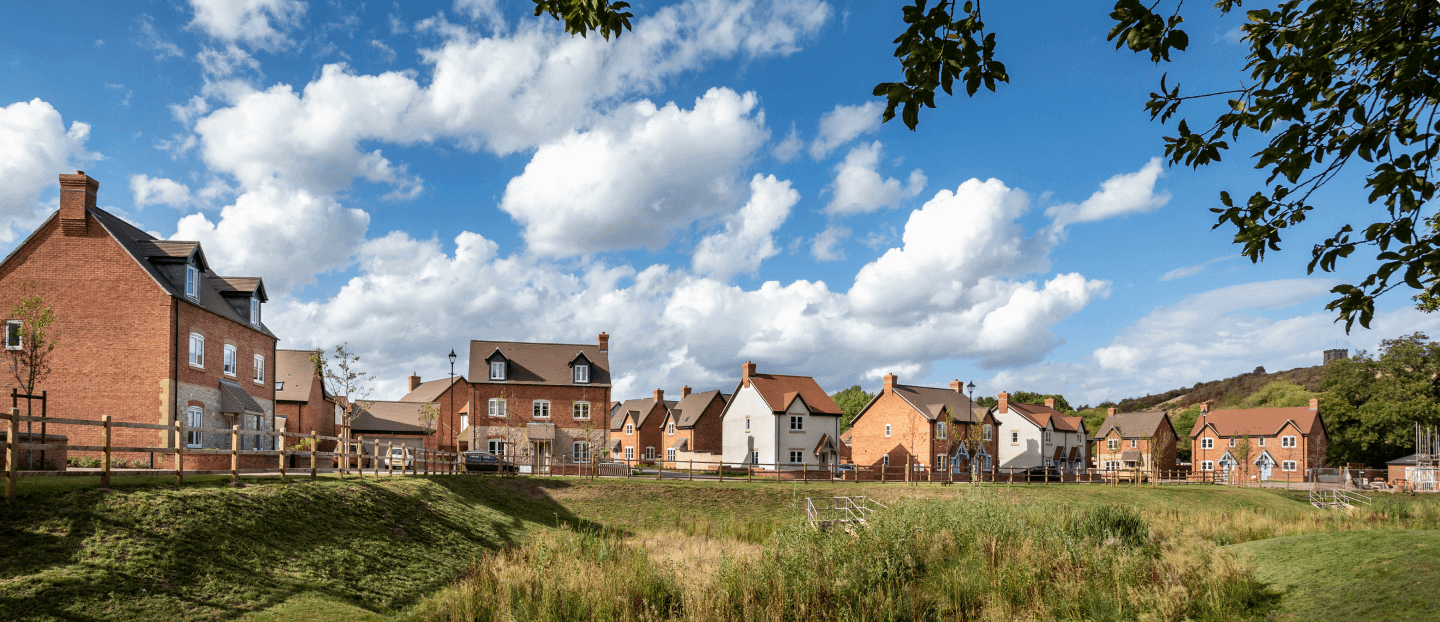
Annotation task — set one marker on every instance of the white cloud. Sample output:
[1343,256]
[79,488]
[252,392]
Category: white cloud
[261,24]
[789,148]
[1184,271]
[1120,195]
[385,50]
[748,238]
[640,174]
[35,147]
[859,188]
[483,11]
[150,39]
[825,246]
[159,191]
[223,63]
[844,124]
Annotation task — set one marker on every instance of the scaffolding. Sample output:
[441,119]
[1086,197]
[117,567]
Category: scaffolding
[1425,475]
[843,511]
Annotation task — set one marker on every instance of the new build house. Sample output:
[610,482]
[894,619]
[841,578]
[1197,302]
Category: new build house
[151,333]
[693,433]
[780,421]
[925,426]
[1260,443]
[1032,435]
[302,404]
[1142,440]
[637,429]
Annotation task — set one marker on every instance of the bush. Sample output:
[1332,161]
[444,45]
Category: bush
[1112,524]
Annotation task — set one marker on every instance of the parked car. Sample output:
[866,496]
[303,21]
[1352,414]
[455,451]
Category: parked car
[841,469]
[400,458]
[1041,473]
[359,457]
[486,462]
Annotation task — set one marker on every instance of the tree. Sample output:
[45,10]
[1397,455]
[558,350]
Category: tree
[851,401]
[1184,422]
[1370,404]
[29,339]
[1241,453]
[1329,81]
[344,378]
[427,415]
[1028,397]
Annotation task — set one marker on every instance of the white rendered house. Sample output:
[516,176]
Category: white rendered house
[775,421]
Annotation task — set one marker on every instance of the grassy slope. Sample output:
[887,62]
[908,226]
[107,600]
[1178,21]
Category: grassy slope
[1356,575]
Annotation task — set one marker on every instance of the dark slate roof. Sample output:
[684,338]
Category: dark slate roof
[294,369]
[144,247]
[688,410]
[1409,460]
[247,285]
[1130,455]
[388,417]
[928,401]
[430,391]
[234,399]
[540,363]
[1139,424]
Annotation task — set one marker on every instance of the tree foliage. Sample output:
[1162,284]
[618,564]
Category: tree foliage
[582,16]
[850,401]
[344,378]
[938,47]
[30,360]
[1371,403]
[1028,397]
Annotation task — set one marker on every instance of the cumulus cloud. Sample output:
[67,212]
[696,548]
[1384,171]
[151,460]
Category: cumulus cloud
[789,148]
[859,188]
[1120,195]
[640,174]
[149,190]
[227,61]
[261,24]
[844,124]
[35,147]
[149,38]
[748,237]
[825,246]
[482,11]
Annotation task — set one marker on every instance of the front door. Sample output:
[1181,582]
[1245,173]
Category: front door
[1264,470]
[540,451]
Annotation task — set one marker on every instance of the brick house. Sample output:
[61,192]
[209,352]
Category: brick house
[637,429]
[1136,440]
[781,421]
[692,429]
[1033,435]
[150,333]
[397,423]
[1260,443]
[922,425]
[539,403]
[302,404]
[450,432]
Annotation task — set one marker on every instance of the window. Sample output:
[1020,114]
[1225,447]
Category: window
[192,281]
[1232,442]
[1262,441]
[796,456]
[194,418]
[229,360]
[1014,437]
[940,429]
[1047,437]
[1287,441]
[887,430]
[540,409]
[254,311]
[279,385]
[747,423]
[987,431]
[13,339]
[754,456]
[670,428]
[496,446]
[941,461]
[649,453]
[580,452]
[885,460]
[1113,444]
[197,350]
[497,370]
[629,453]
[582,374]
[464,422]
[629,429]
[581,410]
[797,422]
[259,369]
[1133,442]
[1287,465]
[1207,443]
[497,408]
[1206,465]
[670,454]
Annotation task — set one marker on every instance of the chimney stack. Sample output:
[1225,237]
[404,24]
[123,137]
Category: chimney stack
[746,370]
[604,342]
[1004,406]
[1314,404]
[890,383]
[1205,406]
[957,386]
[414,381]
[1110,412]
[1049,402]
[660,395]
[77,193]
[684,391]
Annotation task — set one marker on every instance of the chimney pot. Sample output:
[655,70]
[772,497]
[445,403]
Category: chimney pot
[746,370]
[414,382]
[604,342]
[685,391]
[660,395]
[890,381]
[1004,406]
[77,193]
[1049,402]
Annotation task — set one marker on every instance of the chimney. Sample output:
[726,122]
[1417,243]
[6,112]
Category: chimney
[1004,406]
[414,382]
[746,370]
[1314,404]
[604,342]
[77,192]
[1049,402]
[1110,412]
[684,391]
[957,386]
[1205,406]
[890,383]
[660,395]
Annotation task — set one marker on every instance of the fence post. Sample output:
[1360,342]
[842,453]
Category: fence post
[749,472]
[375,456]
[234,454]
[105,442]
[389,451]
[314,448]
[692,470]
[280,442]
[882,471]
[720,468]
[179,451]
[12,431]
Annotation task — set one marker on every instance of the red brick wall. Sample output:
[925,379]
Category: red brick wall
[910,434]
[316,415]
[518,406]
[1303,445]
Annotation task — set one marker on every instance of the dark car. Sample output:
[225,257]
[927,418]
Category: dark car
[486,462]
[1042,474]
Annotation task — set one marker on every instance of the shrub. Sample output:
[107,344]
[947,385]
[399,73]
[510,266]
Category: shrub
[1112,524]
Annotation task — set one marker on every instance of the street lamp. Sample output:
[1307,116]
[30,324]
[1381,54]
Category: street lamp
[974,466]
[452,388]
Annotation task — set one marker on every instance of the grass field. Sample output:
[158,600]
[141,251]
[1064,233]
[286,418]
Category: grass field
[395,547]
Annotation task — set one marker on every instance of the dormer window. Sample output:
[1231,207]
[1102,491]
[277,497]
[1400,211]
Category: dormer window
[255,311]
[192,281]
[497,370]
[582,373]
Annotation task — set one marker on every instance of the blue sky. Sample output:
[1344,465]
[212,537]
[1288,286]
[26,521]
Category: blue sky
[711,188]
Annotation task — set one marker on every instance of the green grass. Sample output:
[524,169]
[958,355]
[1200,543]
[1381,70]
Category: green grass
[1353,575]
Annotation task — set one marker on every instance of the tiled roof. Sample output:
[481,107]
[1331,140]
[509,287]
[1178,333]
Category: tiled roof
[779,391]
[680,444]
[388,417]
[929,400]
[296,372]
[430,391]
[1137,424]
[688,410]
[539,363]
[1257,421]
[1044,415]
[639,410]
[234,399]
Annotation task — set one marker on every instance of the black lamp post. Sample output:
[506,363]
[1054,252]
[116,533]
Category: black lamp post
[975,467]
[452,386]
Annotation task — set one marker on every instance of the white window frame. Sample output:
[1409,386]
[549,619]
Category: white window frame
[940,429]
[1287,441]
[1047,438]
[497,408]
[14,334]
[797,423]
[580,452]
[259,369]
[540,409]
[1288,465]
[497,370]
[1112,444]
[194,418]
[670,428]
[197,350]
[649,452]
[1134,443]
[797,456]
[754,456]
[230,364]
[885,460]
[670,454]
[989,430]
[1207,443]
[887,430]
[582,374]
[1262,441]
[580,410]
[1207,465]
[629,453]
[255,311]
[496,446]
[941,462]
[1014,437]
[629,429]
[747,423]
[1232,441]
[192,281]
[464,422]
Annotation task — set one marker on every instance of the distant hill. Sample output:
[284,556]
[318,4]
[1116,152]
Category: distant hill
[1229,390]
